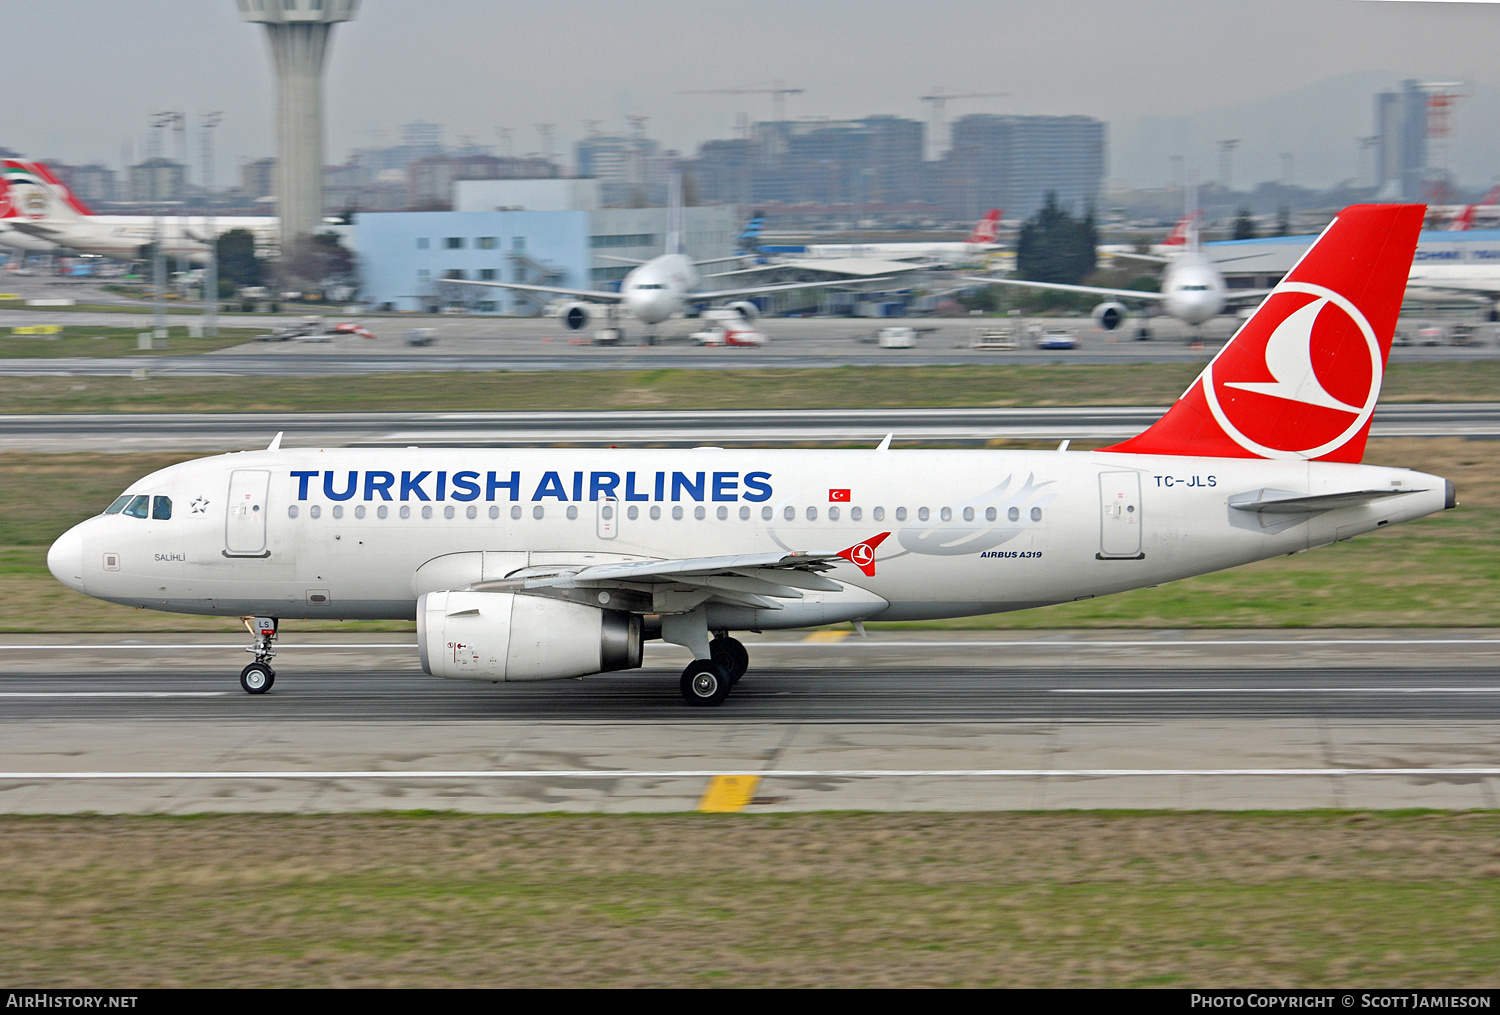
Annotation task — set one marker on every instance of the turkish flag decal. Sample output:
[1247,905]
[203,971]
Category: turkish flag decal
[838,496]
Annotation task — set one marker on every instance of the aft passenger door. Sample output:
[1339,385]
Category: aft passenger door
[245,521]
[1120,516]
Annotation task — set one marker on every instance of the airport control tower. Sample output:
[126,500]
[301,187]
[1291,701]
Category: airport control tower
[299,31]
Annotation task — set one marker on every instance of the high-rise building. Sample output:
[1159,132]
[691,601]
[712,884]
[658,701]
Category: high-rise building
[877,160]
[158,181]
[1401,152]
[1013,162]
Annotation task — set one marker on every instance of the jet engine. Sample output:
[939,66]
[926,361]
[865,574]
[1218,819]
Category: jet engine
[1109,316]
[576,316]
[749,311]
[504,636]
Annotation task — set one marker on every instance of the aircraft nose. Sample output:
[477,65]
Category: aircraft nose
[65,559]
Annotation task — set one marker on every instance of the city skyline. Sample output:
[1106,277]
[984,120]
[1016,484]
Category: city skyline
[480,66]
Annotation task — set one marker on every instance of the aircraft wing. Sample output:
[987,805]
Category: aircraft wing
[1136,294]
[1246,295]
[695,297]
[1122,255]
[582,294]
[757,580]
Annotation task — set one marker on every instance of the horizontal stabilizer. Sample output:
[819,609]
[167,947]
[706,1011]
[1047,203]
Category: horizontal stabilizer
[1285,502]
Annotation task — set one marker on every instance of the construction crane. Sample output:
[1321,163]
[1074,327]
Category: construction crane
[940,99]
[777,90]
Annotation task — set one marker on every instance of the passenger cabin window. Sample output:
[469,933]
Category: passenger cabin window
[161,508]
[118,505]
[138,506]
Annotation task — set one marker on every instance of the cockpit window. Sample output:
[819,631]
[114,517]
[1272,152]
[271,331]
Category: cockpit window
[138,507]
[161,508]
[119,504]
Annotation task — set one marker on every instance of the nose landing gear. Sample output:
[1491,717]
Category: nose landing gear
[258,677]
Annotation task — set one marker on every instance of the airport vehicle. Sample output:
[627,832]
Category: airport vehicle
[982,240]
[39,212]
[727,331]
[315,329]
[897,336]
[1056,338]
[1192,288]
[551,563]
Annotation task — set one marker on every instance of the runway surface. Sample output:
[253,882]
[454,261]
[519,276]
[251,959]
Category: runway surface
[536,344]
[234,431]
[902,720]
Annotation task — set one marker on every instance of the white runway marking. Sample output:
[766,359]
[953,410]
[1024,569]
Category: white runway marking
[1273,690]
[853,642]
[112,694]
[708,773]
[152,647]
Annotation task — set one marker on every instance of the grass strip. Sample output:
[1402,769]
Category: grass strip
[878,387]
[1089,899]
[102,341]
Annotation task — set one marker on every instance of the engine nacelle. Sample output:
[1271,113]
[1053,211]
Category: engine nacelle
[1109,316]
[504,636]
[747,310]
[576,316]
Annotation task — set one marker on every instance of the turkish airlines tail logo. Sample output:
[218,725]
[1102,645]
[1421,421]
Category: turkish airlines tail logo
[1300,379]
[862,555]
[987,229]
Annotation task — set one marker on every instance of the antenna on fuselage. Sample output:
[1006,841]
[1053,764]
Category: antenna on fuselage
[276,441]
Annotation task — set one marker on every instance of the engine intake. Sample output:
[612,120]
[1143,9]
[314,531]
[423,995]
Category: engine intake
[1109,316]
[505,636]
[747,310]
[576,316]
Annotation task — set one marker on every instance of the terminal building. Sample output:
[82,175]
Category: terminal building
[542,232]
[1453,256]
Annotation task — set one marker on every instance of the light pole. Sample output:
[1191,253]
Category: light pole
[211,269]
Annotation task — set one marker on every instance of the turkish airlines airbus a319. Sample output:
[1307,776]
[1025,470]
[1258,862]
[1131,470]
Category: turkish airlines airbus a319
[550,563]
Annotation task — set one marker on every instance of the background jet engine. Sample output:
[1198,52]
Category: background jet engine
[576,316]
[747,310]
[504,636]
[1109,316]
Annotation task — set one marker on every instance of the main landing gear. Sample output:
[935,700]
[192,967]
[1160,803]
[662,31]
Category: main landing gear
[258,677]
[707,682]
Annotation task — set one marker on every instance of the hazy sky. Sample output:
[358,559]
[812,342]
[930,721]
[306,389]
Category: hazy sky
[88,73]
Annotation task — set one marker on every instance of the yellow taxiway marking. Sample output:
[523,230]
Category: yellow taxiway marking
[826,637]
[728,793]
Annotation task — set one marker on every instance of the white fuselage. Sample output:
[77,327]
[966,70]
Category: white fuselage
[659,288]
[1194,288]
[360,533]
